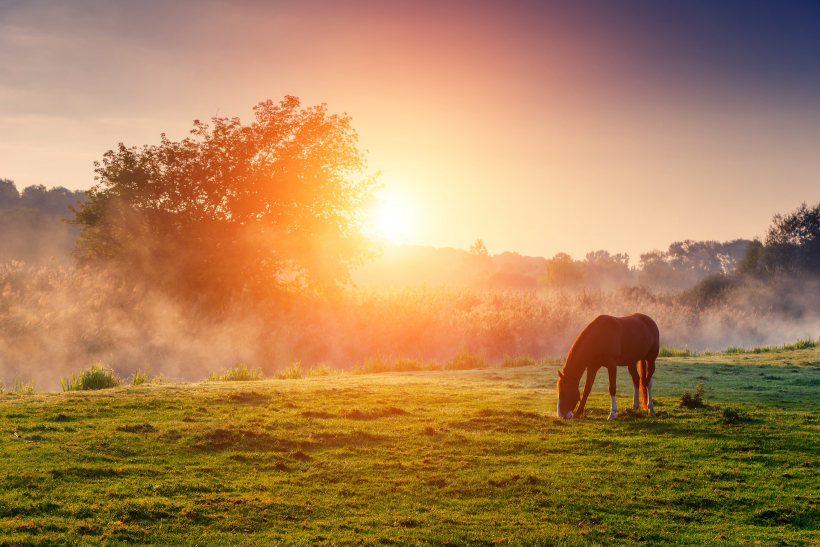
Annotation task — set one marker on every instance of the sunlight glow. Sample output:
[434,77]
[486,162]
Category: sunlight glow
[394,220]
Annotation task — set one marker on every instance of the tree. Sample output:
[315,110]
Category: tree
[606,271]
[563,273]
[478,248]
[793,241]
[9,196]
[268,207]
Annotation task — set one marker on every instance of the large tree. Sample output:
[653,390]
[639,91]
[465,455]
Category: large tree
[278,205]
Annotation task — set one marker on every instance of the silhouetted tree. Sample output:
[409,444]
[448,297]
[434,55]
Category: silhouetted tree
[54,202]
[686,262]
[266,207]
[9,196]
[792,245]
[478,248]
[606,271]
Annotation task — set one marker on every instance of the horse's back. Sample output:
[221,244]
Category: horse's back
[626,339]
[640,338]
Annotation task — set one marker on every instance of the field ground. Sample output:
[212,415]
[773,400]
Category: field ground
[426,458]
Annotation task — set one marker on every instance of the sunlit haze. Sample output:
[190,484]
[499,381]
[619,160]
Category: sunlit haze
[540,127]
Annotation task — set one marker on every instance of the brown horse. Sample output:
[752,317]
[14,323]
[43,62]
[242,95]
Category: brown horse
[610,342]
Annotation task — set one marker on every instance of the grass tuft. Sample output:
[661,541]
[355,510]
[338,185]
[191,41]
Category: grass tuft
[239,373]
[141,378]
[94,377]
[687,400]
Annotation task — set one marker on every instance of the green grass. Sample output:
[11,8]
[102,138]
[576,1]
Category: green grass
[238,373]
[453,457]
[93,377]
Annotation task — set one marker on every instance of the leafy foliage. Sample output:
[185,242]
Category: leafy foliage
[268,207]
[792,246]
[563,273]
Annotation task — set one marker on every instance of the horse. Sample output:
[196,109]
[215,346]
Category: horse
[611,342]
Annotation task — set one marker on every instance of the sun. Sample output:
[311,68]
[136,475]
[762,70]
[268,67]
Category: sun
[393,220]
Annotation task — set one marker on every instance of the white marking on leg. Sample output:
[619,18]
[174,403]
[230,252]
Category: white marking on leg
[649,396]
[636,397]
[613,409]
[559,408]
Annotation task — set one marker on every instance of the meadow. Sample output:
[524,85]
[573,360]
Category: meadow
[449,457]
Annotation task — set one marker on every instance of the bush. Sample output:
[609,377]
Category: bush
[687,400]
[94,377]
[239,373]
[730,416]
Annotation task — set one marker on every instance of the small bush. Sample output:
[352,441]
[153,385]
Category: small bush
[239,373]
[466,361]
[687,400]
[731,416]
[94,377]
[550,360]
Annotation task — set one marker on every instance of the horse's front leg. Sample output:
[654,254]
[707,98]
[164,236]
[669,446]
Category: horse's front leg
[591,372]
[613,373]
[636,385]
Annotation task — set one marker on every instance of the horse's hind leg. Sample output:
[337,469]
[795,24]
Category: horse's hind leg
[650,371]
[613,373]
[636,385]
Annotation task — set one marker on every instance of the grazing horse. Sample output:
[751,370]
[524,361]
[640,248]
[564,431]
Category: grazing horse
[632,342]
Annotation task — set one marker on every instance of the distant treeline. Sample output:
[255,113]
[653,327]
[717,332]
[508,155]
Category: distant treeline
[681,266]
[53,202]
[31,226]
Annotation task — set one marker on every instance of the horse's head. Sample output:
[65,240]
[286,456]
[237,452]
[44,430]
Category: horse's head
[568,396]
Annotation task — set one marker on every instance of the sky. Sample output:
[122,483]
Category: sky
[539,127]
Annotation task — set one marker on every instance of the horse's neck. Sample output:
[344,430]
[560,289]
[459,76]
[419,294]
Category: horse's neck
[573,370]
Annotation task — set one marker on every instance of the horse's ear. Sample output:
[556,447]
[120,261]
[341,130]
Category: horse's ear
[560,375]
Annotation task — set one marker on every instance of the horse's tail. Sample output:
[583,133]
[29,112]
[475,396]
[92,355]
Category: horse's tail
[643,372]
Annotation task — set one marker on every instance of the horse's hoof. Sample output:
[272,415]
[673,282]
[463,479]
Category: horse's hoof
[611,416]
[652,411]
[636,407]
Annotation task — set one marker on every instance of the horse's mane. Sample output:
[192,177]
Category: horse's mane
[580,347]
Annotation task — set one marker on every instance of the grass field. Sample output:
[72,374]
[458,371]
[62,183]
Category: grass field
[423,458]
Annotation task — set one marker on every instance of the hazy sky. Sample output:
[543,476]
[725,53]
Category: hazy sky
[538,126]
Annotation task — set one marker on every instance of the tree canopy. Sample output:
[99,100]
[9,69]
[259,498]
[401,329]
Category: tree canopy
[279,205]
[792,245]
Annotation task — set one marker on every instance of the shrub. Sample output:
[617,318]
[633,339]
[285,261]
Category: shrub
[239,373]
[94,377]
[687,400]
[730,416]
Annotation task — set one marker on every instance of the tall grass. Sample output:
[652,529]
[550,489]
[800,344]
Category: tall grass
[54,320]
[141,378]
[238,373]
[94,377]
